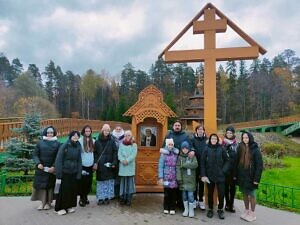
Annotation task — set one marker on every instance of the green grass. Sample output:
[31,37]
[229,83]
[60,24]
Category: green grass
[286,176]
[65,138]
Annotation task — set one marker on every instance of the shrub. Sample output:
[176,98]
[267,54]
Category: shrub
[272,161]
[273,149]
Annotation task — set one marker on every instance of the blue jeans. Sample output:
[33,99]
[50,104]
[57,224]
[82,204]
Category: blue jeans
[188,196]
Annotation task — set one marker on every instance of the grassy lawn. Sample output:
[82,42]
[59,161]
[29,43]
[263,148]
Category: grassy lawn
[65,138]
[287,176]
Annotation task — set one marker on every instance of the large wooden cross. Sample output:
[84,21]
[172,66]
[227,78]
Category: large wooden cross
[210,54]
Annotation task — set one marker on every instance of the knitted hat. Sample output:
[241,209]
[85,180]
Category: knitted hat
[169,141]
[50,129]
[230,128]
[186,145]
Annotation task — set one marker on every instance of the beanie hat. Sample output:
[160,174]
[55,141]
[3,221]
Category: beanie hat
[49,129]
[186,145]
[169,141]
[72,133]
[230,128]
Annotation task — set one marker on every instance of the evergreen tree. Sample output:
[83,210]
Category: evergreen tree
[50,72]
[231,70]
[20,149]
[5,69]
[35,73]
[243,93]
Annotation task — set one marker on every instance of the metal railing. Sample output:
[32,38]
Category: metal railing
[270,194]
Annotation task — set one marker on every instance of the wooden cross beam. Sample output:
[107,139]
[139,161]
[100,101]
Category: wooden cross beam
[210,54]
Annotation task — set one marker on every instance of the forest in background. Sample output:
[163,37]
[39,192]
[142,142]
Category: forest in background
[266,88]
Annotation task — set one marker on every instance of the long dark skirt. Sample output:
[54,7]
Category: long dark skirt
[85,183]
[67,196]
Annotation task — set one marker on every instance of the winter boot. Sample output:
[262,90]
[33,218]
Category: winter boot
[186,209]
[191,210]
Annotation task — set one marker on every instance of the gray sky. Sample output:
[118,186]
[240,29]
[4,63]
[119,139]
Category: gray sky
[95,34]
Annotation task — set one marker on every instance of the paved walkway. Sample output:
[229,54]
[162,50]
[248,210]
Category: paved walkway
[145,210]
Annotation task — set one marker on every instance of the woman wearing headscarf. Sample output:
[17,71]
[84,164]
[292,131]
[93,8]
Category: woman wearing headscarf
[44,157]
[68,172]
[126,155]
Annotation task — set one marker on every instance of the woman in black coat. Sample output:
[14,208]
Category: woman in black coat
[106,161]
[230,145]
[248,173]
[214,166]
[68,173]
[44,157]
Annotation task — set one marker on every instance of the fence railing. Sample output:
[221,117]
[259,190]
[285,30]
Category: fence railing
[271,194]
[63,126]
[268,122]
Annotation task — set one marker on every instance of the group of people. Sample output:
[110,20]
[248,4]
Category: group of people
[64,171]
[186,164]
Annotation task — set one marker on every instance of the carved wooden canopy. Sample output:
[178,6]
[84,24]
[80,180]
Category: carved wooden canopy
[150,104]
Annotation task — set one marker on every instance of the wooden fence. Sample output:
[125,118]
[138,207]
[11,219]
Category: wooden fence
[269,122]
[63,126]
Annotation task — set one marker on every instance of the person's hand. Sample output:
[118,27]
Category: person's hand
[203,179]
[160,181]
[254,182]
[125,162]
[40,166]
[95,166]
[51,170]
[191,154]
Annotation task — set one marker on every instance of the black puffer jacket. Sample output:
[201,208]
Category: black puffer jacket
[246,176]
[214,163]
[198,145]
[105,152]
[231,148]
[45,154]
[68,159]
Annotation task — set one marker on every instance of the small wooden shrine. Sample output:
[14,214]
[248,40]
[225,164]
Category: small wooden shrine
[149,126]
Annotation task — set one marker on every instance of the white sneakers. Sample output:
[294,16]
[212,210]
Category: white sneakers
[172,212]
[46,207]
[62,212]
[248,215]
[251,216]
[244,214]
[202,205]
[40,207]
[71,210]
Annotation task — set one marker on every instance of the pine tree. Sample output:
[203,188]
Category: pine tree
[20,149]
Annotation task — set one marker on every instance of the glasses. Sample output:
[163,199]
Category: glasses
[50,132]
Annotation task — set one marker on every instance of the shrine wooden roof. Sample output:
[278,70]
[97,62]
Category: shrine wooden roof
[150,104]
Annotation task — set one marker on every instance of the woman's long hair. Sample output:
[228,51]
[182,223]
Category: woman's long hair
[88,144]
[245,157]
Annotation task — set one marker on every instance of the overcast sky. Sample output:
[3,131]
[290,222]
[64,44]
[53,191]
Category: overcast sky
[106,34]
